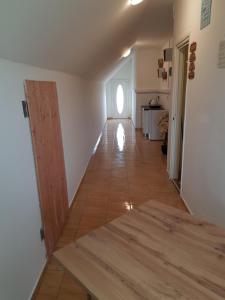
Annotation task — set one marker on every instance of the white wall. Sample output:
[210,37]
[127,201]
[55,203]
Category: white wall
[82,113]
[204,144]
[148,85]
[146,68]
[166,84]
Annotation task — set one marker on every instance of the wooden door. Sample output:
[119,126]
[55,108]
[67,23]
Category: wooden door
[49,159]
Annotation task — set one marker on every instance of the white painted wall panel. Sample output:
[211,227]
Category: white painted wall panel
[204,144]
[147,68]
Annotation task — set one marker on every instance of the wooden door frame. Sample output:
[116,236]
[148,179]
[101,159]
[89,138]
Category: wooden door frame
[176,113]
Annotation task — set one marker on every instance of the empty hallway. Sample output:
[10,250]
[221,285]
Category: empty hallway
[125,171]
[112,110]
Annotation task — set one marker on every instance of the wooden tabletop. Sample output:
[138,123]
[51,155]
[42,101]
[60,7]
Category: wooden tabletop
[153,252]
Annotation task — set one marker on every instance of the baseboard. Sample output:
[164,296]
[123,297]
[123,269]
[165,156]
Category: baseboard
[182,197]
[37,283]
[79,184]
[132,122]
[186,204]
[85,169]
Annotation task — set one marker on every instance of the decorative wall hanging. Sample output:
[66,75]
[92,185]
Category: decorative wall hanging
[221,58]
[160,71]
[206,13]
[168,54]
[193,47]
[191,67]
[160,63]
[191,75]
[164,75]
[192,59]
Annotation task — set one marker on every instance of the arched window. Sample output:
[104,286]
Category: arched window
[120,99]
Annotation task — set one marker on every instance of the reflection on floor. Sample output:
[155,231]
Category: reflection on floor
[125,171]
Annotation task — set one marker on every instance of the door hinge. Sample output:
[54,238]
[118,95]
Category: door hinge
[42,234]
[25,109]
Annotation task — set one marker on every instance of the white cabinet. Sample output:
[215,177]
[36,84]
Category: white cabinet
[150,121]
[145,121]
[154,117]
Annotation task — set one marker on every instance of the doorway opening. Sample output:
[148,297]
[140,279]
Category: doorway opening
[119,91]
[179,113]
[120,99]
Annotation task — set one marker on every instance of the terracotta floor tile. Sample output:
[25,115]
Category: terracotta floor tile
[45,297]
[118,179]
[71,296]
[51,283]
[54,265]
[70,289]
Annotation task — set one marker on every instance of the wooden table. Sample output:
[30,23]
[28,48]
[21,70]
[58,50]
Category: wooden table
[153,252]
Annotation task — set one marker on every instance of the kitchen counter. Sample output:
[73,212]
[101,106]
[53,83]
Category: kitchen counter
[149,107]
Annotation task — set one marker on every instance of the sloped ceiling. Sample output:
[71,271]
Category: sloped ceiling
[83,37]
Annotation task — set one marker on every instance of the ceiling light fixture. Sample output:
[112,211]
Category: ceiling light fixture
[135,2]
[127,53]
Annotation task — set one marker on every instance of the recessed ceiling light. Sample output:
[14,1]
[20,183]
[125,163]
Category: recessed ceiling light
[127,53]
[135,2]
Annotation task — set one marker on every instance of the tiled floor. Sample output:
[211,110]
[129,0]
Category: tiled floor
[125,171]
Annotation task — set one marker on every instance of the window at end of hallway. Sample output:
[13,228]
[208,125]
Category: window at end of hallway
[120,99]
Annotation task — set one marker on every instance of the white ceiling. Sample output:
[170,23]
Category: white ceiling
[83,37]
